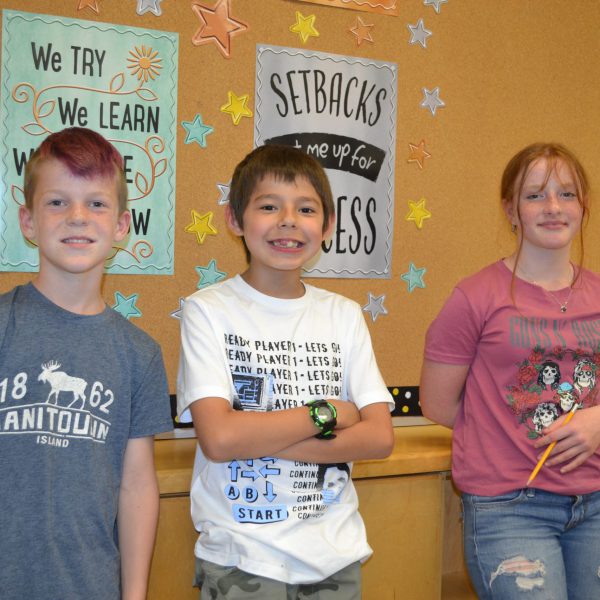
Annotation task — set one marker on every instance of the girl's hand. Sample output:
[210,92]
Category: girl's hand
[575,442]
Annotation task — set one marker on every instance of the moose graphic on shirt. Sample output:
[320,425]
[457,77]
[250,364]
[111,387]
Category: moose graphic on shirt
[71,409]
[61,382]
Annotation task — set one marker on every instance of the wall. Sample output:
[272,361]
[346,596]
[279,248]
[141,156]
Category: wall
[510,72]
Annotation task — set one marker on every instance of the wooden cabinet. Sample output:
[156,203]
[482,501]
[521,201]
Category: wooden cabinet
[403,516]
[172,571]
[402,501]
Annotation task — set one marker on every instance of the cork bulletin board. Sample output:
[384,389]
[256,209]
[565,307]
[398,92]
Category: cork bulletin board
[476,81]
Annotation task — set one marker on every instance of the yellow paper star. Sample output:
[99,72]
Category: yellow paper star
[236,107]
[201,226]
[418,154]
[304,27]
[361,31]
[91,4]
[418,213]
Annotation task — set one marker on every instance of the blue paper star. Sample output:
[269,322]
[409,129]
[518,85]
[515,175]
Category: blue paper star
[126,306]
[176,314]
[435,4]
[414,277]
[197,131]
[153,6]
[375,306]
[224,193]
[209,274]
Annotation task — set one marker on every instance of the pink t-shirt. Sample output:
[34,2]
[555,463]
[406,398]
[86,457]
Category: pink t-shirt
[529,364]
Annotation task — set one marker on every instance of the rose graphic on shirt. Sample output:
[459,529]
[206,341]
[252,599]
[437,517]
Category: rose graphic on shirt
[542,391]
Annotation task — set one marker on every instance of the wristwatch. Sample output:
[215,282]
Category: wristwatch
[324,416]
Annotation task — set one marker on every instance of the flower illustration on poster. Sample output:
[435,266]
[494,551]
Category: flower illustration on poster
[119,81]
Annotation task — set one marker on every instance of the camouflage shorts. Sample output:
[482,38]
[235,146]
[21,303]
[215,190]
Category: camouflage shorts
[230,583]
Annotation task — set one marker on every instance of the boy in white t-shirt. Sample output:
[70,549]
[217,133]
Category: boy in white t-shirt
[252,346]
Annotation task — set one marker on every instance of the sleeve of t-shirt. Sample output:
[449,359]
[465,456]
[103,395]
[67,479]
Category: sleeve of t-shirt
[150,406]
[364,383]
[453,336]
[203,371]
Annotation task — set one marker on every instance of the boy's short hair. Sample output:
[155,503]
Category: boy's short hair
[284,163]
[85,153]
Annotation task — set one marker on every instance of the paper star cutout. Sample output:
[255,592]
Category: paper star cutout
[209,274]
[217,26]
[414,277]
[236,107]
[201,226]
[177,314]
[304,27]
[126,306]
[375,306]
[431,100]
[184,417]
[224,193]
[361,31]
[153,6]
[91,4]
[196,131]
[435,3]
[418,154]
[418,213]
[418,34]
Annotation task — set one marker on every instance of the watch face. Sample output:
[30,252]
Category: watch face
[324,414]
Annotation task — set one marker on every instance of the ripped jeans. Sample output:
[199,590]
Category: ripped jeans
[533,545]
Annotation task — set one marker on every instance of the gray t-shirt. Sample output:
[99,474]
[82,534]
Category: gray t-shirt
[73,390]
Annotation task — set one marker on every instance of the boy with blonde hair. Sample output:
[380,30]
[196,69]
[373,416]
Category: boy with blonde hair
[82,392]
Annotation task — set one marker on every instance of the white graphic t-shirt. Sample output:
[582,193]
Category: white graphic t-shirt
[288,520]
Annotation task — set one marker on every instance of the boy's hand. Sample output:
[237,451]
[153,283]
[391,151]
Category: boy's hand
[347,413]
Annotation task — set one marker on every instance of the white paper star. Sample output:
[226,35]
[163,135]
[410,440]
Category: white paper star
[418,33]
[431,100]
[375,306]
[153,6]
[224,193]
[435,3]
[177,314]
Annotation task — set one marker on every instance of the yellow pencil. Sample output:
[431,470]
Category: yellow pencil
[549,449]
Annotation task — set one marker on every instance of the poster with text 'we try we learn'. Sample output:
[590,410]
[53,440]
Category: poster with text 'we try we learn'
[119,81]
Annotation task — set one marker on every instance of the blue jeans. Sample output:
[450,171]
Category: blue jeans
[533,545]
